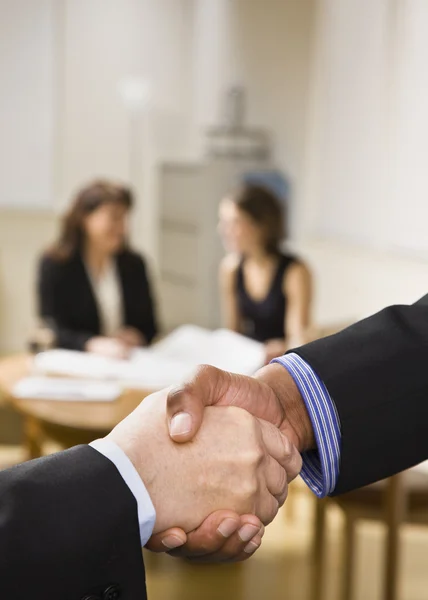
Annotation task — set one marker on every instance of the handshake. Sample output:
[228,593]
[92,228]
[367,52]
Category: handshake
[216,456]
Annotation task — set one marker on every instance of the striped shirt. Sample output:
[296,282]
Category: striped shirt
[320,469]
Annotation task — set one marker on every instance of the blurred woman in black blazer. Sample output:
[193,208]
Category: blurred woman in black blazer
[93,290]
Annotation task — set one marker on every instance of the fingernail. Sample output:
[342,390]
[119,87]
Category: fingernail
[227,527]
[247,532]
[181,424]
[251,547]
[172,541]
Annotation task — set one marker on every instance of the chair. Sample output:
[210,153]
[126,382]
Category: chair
[397,500]
[11,436]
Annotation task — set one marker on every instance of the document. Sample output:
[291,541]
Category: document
[167,362]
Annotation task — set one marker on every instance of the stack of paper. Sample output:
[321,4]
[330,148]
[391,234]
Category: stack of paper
[222,348]
[165,363]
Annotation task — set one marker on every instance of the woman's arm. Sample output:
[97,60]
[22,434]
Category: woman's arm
[297,287]
[149,327]
[50,307]
[229,302]
[298,291]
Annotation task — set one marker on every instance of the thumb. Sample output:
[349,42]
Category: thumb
[185,403]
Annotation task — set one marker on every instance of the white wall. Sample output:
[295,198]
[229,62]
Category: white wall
[106,41]
[23,235]
[367,144]
[27,103]
[352,282]
[409,118]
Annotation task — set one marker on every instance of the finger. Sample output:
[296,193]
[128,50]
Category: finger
[276,480]
[267,508]
[281,449]
[211,535]
[233,549]
[167,540]
[186,403]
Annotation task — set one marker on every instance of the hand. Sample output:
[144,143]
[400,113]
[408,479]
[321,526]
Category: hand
[188,482]
[224,536]
[131,337]
[274,348]
[108,347]
[271,395]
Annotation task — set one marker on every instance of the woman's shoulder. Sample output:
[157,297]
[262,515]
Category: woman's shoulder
[295,270]
[289,258]
[228,271]
[50,262]
[58,271]
[229,265]
[132,260]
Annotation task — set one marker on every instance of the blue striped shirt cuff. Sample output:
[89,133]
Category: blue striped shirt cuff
[320,469]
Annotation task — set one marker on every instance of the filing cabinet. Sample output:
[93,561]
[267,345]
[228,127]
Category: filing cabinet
[190,249]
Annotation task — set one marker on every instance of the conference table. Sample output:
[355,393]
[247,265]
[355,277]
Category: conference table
[66,423]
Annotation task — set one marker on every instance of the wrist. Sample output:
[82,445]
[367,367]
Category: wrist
[297,424]
[142,457]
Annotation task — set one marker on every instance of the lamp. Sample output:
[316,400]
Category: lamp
[135,92]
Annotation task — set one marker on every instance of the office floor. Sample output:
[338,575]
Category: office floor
[281,569]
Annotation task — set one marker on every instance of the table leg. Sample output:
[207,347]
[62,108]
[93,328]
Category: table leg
[33,437]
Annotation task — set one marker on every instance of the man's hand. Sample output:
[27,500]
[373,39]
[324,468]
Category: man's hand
[235,462]
[224,536]
[273,396]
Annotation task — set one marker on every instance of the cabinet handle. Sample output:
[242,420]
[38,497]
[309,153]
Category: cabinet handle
[180,226]
[170,277]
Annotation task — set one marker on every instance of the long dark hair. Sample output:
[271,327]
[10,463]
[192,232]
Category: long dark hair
[266,210]
[87,200]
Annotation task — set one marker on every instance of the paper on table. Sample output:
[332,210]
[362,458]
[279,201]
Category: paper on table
[76,364]
[163,364]
[234,352]
[151,371]
[221,348]
[80,390]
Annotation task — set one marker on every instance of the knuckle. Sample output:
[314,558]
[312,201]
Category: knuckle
[283,496]
[248,494]
[253,457]
[287,449]
[176,396]
[270,510]
[204,373]
[282,481]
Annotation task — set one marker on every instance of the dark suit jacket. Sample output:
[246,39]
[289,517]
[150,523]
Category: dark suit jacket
[69,530]
[67,302]
[377,374]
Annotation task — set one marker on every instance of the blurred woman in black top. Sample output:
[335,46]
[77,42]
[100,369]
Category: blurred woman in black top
[93,290]
[266,294]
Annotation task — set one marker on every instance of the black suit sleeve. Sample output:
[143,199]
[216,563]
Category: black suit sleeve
[377,374]
[50,288]
[68,530]
[148,322]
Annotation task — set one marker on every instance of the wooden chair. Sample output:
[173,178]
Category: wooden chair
[397,500]
[11,455]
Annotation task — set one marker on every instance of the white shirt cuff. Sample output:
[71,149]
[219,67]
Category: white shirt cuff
[146,510]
